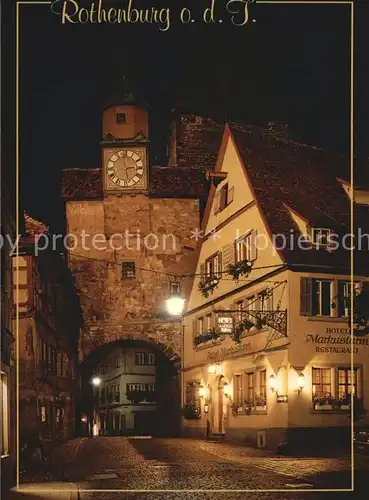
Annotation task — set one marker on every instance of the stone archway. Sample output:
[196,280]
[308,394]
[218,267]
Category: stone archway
[167,383]
[161,335]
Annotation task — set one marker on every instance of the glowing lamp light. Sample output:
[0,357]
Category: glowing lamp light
[219,370]
[212,369]
[84,420]
[300,382]
[175,304]
[204,392]
[273,383]
[96,381]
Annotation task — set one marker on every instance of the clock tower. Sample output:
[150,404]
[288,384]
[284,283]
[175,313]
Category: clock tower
[125,144]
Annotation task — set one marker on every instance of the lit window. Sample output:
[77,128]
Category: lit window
[200,326]
[320,236]
[345,385]
[240,307]
[140,358]
[263,384]
[265,300]
[322,297]
[213,265]
[246,249]
[4,414]
[121,118]
[238,390]
[208,318]
[250,388]
[251,303]
[128,270]
[344,297]
[322,382]
[43,414]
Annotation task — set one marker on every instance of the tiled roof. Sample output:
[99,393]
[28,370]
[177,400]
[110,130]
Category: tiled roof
[178,183]
[286,174]
[79,184]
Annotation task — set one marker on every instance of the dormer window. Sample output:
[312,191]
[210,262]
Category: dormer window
[121,118]
[320,236]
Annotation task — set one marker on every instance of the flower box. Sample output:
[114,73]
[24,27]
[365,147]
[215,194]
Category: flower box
[324,407]
[260,408]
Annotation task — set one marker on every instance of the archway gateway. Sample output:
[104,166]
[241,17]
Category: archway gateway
[131,387]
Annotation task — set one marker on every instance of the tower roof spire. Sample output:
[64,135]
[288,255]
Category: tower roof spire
[125,95]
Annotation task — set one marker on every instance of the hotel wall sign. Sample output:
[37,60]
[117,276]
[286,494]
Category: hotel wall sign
[336,341]
[228,352]
[225,324]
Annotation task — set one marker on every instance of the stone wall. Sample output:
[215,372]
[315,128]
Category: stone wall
[194,141]
[153,233]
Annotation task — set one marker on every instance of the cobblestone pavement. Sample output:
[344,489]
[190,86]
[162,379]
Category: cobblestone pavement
[118,463]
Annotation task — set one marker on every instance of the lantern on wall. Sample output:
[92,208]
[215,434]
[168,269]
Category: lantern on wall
[175,301]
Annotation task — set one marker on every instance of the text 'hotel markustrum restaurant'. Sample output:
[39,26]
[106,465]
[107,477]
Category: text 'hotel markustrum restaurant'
[267,344]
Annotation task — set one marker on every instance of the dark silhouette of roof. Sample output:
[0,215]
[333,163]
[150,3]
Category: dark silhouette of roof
[126,94]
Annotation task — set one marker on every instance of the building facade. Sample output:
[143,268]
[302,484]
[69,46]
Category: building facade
[267,341]
[125,396]
[8,360]
[48,319]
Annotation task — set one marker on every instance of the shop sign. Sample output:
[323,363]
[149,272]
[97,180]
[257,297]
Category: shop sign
[228,352]
[336,341]
[225,324]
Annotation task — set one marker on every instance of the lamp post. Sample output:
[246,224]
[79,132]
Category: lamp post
[174,306]
[96,381]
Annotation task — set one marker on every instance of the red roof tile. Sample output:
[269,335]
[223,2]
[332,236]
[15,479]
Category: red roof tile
[285,174]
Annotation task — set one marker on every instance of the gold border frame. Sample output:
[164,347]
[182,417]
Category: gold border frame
[289,490]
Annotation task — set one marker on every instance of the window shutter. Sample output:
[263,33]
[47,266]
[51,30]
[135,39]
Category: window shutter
[306,296]
[220,268]
[217,203]
[254,249]
[227,256]
[230,195]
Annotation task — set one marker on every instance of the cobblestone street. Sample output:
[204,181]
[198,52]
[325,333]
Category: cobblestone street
[187,464]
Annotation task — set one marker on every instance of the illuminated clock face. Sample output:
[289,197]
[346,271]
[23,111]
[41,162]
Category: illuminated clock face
[125,168]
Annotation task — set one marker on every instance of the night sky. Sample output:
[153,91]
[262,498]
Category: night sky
[291,65]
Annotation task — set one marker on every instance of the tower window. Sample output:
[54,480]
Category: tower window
[128,270]
[121,118]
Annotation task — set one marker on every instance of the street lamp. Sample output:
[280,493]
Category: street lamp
[96,381]
[300,382]
[273,383]
[175,301]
